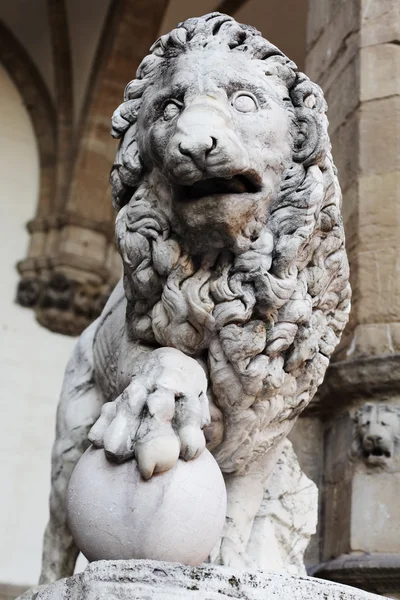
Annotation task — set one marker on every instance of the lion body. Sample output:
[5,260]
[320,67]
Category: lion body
[232,243]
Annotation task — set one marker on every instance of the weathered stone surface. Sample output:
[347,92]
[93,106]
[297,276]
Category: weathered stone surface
[377,437]
[79,192]
[378,278]
[334,39]
[142,580]
[379,215]
[176,516]
[350,217]
[355,50]
[317,19]
[355,378]
[345,143]
[306,437]
[378,64]
[335,530]
[377,572]
[337,473]
[341,106]
[235,285]
[63,305]
[371,339]
[286,520]
[379,136]
[375,520]
[380,22]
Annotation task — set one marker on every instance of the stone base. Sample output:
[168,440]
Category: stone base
[377,572]
[145,580]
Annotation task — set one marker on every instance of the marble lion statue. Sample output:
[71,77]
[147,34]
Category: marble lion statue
[235,289]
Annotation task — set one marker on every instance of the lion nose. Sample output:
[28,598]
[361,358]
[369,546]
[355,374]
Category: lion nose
[374,439]
[197,149]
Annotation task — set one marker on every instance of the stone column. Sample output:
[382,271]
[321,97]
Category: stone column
[72,263]
[354,54]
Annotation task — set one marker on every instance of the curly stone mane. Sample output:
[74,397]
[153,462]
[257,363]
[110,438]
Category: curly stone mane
[269,315]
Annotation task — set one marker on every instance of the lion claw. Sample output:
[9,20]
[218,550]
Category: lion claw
[159,417]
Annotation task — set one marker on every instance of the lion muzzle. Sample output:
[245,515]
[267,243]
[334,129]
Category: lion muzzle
[205,145]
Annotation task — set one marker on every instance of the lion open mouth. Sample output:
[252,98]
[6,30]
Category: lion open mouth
[217,186]
[377,452]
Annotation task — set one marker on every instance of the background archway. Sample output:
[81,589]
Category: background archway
[32,359]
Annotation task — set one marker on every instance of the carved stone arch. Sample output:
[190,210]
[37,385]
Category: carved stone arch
[80,264]
[41,109]
[86,255]
[61,54]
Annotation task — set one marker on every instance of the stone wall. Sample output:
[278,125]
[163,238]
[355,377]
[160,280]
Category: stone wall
[354,54]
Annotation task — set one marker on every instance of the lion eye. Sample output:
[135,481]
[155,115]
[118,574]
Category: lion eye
[244,102]
[171,110]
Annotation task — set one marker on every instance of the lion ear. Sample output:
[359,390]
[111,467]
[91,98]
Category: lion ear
[307,146]
[311,136]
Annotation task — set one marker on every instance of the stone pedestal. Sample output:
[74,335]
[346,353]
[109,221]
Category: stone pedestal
[144,579]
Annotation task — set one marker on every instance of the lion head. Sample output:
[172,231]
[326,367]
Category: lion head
[229,221]
[377,432]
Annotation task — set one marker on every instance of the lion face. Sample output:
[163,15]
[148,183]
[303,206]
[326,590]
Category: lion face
[216,136]
[378,429]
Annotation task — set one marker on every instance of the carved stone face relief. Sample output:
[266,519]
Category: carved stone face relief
[377,429]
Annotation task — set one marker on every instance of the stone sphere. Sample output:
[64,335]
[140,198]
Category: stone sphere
[176,516]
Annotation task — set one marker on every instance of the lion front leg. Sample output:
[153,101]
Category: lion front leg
[159,417]
[244,497]
[245,494]
[79,407]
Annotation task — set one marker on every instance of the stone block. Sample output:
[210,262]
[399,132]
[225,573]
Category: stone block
[89,196]
[334,40]
[345,151]
[379,143]
[375,501]
[337,441]
[336,512]
[337,474]
[372,339]
[80,241]
[380,65]
[379,220]
[380,22]
[379,211]
[348,52]
[378,285]
[142,580]
[341,105]
[306,437]
[350,206]
[317,19]
[37,243]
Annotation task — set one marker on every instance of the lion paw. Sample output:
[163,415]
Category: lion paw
[159,417]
